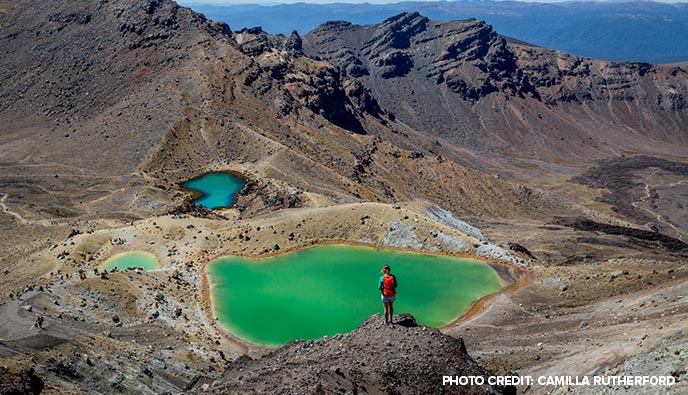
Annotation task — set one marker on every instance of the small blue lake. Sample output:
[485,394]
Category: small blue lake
[215,189]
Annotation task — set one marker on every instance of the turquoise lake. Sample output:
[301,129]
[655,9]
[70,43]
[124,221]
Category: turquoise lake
[331,289]
[125,260]
[216,189]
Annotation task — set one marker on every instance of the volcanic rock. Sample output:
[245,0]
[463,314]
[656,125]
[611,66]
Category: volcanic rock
[375,358]
[25,382]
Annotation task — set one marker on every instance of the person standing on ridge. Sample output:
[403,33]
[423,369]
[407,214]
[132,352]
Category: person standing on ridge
[388,287]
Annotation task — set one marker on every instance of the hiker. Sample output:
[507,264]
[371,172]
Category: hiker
[388,287]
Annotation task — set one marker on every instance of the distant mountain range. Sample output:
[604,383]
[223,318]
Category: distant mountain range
[619,31]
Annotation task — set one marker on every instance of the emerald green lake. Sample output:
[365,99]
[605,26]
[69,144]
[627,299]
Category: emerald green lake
[125,260]
[331,289]
[216,189]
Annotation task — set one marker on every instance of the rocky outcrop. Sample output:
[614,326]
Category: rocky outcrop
[375,358]
[463,81]
[437,213]
[260,195]
[672,101]
[469,57]
[278,62]
[387,49]
[25,382]
[187,206]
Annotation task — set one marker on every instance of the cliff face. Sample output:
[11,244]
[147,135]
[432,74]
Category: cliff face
[373,359]
[473,61]
[467,57]
[462,81]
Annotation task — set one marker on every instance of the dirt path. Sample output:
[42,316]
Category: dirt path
[642,205]
[7,210]
[18,332]
[18,323]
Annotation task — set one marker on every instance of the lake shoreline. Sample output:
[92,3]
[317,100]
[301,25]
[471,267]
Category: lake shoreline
[511,277]
[511,285]
[198,194]
[124,254]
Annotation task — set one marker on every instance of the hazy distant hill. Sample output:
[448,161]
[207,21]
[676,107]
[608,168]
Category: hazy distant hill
[627,31]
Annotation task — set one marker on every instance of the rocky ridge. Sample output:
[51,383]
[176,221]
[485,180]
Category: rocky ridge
[466,72]
[404,358]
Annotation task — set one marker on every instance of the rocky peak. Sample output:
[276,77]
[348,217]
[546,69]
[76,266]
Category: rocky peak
[468,56]
[397,31]
[475,61]
[144,23]
[294,43]
[388,48]
[255,41]
[375,358]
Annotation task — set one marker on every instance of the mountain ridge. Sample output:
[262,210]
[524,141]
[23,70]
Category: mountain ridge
[549,111]
[464,62]
[615,31]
